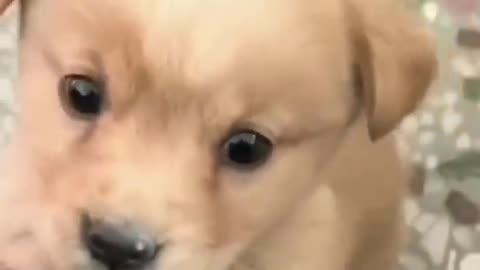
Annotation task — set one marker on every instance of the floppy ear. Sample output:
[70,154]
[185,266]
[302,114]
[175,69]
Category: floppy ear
[4,5]
[395,58]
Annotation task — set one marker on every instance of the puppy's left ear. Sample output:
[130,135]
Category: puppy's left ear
[395,58]
[4,4]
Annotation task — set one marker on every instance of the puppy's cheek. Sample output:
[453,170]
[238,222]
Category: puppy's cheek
[202,258]
[23,255]
[28,257]
[36,239]
[180,258]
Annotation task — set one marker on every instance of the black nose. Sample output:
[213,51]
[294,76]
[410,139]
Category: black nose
[119,245]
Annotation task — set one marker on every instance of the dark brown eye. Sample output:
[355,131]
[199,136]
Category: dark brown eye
[82,96]
[247,149]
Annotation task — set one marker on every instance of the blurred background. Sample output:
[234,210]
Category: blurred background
[442,139]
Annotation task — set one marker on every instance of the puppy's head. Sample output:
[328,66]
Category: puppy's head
[176,132]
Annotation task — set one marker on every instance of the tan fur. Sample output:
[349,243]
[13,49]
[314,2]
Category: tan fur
[181,75]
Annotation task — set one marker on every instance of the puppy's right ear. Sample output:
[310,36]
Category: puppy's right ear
[4,4]
[395,59]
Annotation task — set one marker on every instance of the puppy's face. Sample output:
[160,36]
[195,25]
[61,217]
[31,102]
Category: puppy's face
[190,126]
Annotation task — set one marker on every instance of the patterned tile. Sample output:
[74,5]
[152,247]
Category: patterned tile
[446,136]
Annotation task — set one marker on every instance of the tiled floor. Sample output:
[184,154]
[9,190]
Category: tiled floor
[7,75]
[443,138]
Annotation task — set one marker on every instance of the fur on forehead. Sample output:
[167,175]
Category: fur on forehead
[269,52]
[188,39]
[200,38]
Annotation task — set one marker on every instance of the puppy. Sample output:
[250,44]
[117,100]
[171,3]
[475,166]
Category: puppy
[211,135]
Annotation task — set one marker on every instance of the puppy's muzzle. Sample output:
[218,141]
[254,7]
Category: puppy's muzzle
[119,245]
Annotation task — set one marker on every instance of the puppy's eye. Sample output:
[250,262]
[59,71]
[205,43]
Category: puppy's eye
[247,149]
[82,96]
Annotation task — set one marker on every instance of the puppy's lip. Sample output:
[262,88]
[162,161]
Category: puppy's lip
[96,266]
